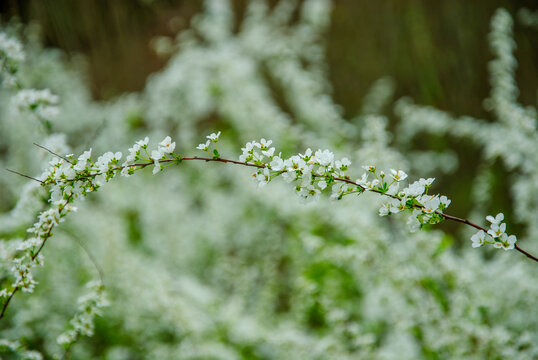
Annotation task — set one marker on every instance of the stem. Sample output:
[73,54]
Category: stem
[8,300]
[26,176]
[259,166]
[33,257]
[446,216]
[525,253]
[53,153]
[346,180]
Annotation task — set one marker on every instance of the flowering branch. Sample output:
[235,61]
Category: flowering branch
[351,182]
[316,172]
[31,249]
[89,306]
[312,173]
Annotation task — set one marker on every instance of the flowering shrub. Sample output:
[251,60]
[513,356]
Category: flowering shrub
[200,264]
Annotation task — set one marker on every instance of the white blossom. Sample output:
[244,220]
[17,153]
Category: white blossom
[398,175]
[264,144]
[142,143]
[156,167]
[322,184]
[269,153]
[338,189]
[497,230]
[214,137]
[167,146]
[324,158]
[445,201]
[430,203]
[41,102]
[495,220]
[157,154]
[426,182]
[415,189]
[204,147]
[262,177]
[277,164]
[295,163]
[413,222]
[478,239]
[363,181]
[10,48]
[83,160]
[342,164]
[508,242]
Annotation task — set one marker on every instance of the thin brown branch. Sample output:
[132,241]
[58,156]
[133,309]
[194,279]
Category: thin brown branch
[8,300]
[53,153]
[223,161]
[26,176]
[467,222]
[351,182]
[446,216]
[259,166]
[346,180]
[525,253]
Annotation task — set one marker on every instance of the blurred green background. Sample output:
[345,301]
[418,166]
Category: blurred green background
[436,52]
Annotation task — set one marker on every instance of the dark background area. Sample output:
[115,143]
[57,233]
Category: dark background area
[436,51]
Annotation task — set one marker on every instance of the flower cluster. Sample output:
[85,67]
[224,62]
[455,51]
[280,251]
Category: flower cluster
[497,234]
[89,306]
[30,248]
[165,148]
[11,54]
[212,138]
[315,171]
[426,209]
[18,351]
[68,179]
[42,103]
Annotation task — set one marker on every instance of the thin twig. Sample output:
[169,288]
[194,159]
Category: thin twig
[26,176]
[8,300]
[446,216]
[346,180]
[525,253]
[259,166]
[53,153]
